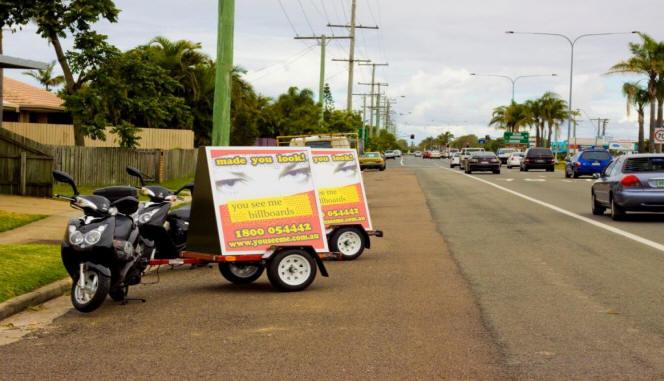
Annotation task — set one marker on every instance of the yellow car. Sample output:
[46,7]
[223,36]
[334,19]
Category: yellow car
[372,160]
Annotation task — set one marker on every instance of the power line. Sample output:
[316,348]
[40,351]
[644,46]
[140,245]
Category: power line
[306,18]
[288,18]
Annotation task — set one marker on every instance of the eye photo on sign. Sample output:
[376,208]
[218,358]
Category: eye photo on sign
[246,181]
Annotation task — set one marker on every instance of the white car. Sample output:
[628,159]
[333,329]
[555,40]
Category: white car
[418,153]
[389,154]
[514,160]
[454,160]
[435,154]
[397,153]
[504,154]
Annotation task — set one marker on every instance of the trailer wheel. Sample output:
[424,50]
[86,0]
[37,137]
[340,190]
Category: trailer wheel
[291,270]
[241,272]
[349,242]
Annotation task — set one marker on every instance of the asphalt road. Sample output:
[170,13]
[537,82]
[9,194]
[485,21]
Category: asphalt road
[401,311]
[564,298]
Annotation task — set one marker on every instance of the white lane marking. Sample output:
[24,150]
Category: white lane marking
[634,237]
[402,162]
[538,180]
[509,179]
[568,181]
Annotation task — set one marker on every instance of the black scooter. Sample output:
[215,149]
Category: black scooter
[167,229]
[102,250]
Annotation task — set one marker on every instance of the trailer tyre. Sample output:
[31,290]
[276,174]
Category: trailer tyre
[291,270]
[349,242]
[241,272]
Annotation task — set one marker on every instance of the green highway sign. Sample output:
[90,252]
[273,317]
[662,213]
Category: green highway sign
[516,137]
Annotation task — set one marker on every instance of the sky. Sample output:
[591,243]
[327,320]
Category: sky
[431,47]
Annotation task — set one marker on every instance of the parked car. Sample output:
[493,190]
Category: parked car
[454,159]
[435,154]
[538,158]
[630,183]
[483,161]
[504,154]
[587,162]
[389,154]
[426,154]
[418,154]
[372,160]
[397,153]
[515,159]
[466,153]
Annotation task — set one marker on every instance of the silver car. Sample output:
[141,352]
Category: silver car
[630,183]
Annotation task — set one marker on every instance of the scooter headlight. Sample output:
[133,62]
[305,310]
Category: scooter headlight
[75,236]
[94,236]
[144,218]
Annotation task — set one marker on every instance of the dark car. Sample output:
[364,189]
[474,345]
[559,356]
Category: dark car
[630,183]
[538,158]
[482,161]
[587,162]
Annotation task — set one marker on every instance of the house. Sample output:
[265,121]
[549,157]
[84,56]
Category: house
[29,104]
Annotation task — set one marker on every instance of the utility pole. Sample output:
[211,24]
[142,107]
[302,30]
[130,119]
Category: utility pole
[364,115]
[600,121]
[321,83]
[373,81]
[221,112]
[372,107]
[351,56]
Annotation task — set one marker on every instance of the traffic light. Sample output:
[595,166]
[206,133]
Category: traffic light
[412,136]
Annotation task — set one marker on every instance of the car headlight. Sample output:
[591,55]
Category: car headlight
[144,218]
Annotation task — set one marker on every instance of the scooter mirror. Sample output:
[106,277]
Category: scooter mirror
[188,186]
[63,177]
[136,173]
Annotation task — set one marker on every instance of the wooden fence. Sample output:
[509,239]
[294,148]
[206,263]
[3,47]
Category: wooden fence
[105,166]
[25,166]
[63,135]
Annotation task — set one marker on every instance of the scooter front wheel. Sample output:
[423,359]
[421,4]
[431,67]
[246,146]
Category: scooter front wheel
[87,295]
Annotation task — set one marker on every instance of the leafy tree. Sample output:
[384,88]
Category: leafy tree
[647,58]
[554,112]
[293,113]
[57,19]
[128,90]
[45,77]
[328,101]
[466,141]
[444,138]
[511,118]
[382,141]
[342,121]
[639,98]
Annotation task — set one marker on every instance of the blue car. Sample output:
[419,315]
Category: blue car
[630,183]
[587,162]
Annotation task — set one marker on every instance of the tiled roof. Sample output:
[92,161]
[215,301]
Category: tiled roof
[21,95]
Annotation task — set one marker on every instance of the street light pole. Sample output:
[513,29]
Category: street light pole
[513,80]
[572,43]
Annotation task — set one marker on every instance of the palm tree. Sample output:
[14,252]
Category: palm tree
[536,113]
[649,60]
[181,59]
[45,76]
[637,96]
[511,118]
[553,112]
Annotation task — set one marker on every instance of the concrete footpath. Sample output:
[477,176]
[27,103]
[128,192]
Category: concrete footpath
[400,311]
[48,230]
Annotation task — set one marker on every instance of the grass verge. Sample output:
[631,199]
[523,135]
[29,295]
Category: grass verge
[9,220]
[24,268]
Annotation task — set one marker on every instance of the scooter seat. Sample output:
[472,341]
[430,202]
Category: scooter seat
[181,213]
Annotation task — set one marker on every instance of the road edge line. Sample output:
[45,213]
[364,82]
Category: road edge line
[601,225]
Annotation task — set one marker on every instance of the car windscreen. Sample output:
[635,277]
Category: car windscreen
[596,155]
[644,164]
[484,155]
[371,154]
[319,144]
[540,152]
